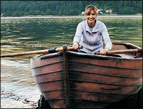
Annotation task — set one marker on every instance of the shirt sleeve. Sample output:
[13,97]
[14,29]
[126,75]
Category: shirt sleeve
[106,38]
[78,33]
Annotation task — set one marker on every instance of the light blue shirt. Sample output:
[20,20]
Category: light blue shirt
[91,39]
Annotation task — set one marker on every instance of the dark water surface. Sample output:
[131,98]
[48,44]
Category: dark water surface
[18,87]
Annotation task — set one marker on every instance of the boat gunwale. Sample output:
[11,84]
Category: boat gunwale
[59,53]
[46,56]
[102,56]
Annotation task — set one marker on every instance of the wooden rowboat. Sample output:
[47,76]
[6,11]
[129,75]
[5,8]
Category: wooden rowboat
[75,80]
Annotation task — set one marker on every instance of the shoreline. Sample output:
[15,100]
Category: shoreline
[51,16]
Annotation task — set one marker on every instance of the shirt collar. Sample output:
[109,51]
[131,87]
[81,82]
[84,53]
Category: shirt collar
[95,29]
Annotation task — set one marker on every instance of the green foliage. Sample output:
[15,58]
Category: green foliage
[24,8]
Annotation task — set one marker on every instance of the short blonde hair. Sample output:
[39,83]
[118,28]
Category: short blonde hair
[89,8]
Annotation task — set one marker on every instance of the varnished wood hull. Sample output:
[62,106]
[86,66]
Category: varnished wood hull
[75,80]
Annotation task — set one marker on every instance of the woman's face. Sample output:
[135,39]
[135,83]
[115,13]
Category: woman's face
[91,17]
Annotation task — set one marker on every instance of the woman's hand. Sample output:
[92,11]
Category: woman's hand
[103,51]
[75,45]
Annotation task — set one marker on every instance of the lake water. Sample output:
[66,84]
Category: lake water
[18,87]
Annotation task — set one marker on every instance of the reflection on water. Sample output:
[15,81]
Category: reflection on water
[46,33]
[125,29]
[18,35]
[26,34]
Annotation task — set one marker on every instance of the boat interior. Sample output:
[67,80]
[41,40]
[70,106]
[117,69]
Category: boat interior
[126,46]
[115,46]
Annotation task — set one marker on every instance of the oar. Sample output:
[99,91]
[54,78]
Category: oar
[68,48]
[122,51]
[51,50]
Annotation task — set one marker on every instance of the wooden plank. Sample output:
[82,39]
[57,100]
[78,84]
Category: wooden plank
[57,104]
[57,67]
[54,95]
[107,62]
[51,86]
[37,62]
[96,96]
[50,77]
[101,70]
[108,89]
[100,79]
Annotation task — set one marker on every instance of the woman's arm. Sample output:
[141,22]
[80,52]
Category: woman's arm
[77,36]
[106,38]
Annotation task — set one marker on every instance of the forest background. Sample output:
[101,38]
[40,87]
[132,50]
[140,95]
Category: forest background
[62,8]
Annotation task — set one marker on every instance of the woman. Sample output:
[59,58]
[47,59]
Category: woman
[89,34]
